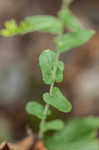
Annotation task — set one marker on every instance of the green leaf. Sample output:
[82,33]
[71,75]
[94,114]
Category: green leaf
[70,20]
[57,100]
[10,28]
[24,28]
[36,109]
[45,23]
[46,61]
[78,134]
[53,125]
[59,71]
[73,40]
[41,23]
[82,144]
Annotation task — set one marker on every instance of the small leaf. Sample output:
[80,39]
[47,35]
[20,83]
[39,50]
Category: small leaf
[46,61]
[53,125]
[57,100]
[70,20]
[10,28]
[45,23]
[73,40]
[59,71]
[36,109]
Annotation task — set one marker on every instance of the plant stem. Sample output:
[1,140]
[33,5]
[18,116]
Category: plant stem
[50,93]
[66,3]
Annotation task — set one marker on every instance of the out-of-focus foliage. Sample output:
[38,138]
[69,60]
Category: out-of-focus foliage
[78,134]
[70,20]
[53,125]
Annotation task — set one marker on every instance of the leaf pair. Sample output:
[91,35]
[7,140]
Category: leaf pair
[56,100]
[47,61]
[44,23]
[78,37]
[36,109]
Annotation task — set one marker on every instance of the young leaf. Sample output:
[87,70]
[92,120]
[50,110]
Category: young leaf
[53,125]
[70,20]
[46,61]
[10,28]
[45,23]
[73,39]
[57,100]
[36,109]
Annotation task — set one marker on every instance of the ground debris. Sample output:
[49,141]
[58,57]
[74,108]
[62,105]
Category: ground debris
[28,143]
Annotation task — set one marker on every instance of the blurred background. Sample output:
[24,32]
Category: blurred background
[20,76]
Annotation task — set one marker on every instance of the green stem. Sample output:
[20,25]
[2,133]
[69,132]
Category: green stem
[66,3]
[50,92]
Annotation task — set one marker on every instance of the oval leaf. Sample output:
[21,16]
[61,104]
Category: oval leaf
[45,23]
[73,40]
[57,100]
[36,109]
[53,125]
[46,61]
